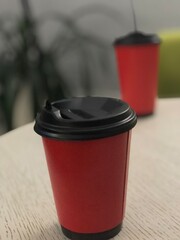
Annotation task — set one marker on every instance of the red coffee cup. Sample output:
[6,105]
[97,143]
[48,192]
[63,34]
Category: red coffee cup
[137,57]
[87,141]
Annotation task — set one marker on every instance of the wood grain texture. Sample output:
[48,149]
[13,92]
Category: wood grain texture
[27,210]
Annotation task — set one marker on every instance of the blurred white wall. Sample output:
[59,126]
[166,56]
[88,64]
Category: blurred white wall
[152,16]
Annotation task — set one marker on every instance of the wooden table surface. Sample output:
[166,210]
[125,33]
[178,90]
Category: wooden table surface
[27,210]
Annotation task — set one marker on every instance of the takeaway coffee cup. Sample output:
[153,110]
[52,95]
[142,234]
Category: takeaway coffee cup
[137,57]
[87,141]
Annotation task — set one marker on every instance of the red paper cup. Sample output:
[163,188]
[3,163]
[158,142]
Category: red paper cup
[87,141]
[137,57]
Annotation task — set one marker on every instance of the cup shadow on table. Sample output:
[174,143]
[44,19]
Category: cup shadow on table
[53,232]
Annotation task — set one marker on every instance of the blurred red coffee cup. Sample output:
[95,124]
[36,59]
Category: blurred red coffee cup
[87,143]
[137,56]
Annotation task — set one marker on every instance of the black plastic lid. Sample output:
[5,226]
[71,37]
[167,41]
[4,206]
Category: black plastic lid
[137,38]
[84,118]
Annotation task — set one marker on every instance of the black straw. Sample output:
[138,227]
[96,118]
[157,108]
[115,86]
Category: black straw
[134,15]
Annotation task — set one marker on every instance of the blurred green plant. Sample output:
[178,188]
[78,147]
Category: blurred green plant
[25,62]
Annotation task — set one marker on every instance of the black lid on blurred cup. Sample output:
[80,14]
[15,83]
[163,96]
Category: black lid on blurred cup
[137,38]
[83,118]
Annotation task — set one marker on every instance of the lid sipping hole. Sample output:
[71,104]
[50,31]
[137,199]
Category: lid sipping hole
[61,114]
[74,114]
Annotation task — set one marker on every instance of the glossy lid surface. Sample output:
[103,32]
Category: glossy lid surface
[137,38]
[84,118]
